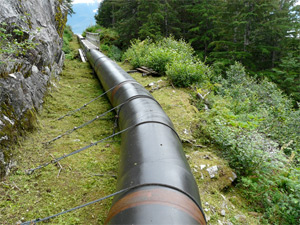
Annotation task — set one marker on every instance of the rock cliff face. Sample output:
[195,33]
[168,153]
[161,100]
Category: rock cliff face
[31,56]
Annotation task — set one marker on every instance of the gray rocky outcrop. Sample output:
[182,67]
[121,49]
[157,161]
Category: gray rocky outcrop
[31,57]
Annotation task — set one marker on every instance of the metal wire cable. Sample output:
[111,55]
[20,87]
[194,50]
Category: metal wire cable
[75,208]
[80,126]
[94,99]
[80,108]
[30,171]
[113,194]
[97,117]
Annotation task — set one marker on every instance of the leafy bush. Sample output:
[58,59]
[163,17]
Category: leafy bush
[67,38]
[184,74]
[93,29]
[137,52]
[158,59]
[66,46]
[258,130]
[68,33]
[115,53]
[168,57]
[109,36]
[14,41]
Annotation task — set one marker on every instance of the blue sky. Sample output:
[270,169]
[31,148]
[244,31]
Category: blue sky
[86,1]
[84,15]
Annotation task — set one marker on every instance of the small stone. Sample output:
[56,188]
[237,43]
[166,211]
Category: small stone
[151,84]
[206,210]
[213,209]
[202,167]
[206,203]
[219,222]
[207,218]
[187,156]
[12,75]
[195,170]
[174,91]
[4,138]
[47,70]
[206,157]
[10,121]
[223,212]
[233,177]
[108,145]
[202,177]
[34,69]
[212,171]
[185,131]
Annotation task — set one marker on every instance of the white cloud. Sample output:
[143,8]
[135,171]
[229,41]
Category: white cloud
[86,1]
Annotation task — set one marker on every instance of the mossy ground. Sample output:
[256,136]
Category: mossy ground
[46,192]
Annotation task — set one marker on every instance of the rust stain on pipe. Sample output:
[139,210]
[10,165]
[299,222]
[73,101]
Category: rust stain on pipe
[114,91]
[158,196]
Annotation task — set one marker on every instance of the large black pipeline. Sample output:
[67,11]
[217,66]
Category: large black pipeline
[152,156]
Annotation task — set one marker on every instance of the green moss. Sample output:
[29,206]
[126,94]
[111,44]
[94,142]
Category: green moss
[60,19]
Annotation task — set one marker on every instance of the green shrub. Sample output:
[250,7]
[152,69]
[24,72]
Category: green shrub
[67,37]
[109,36]
[112,51]
[68,33]
[159,54]
[184,74]
[137,52]
[168,57]
[14,41]
[115,53]
[104,48]
[258,130]
[94,29]
[158,59]
[66,46]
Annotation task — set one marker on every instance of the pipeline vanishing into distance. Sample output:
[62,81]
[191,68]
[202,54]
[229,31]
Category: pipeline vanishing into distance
[152,158]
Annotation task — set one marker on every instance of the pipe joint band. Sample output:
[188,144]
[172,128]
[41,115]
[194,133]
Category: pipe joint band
[158,122]
[164,195]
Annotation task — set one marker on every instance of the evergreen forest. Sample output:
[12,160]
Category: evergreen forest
[262,35]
